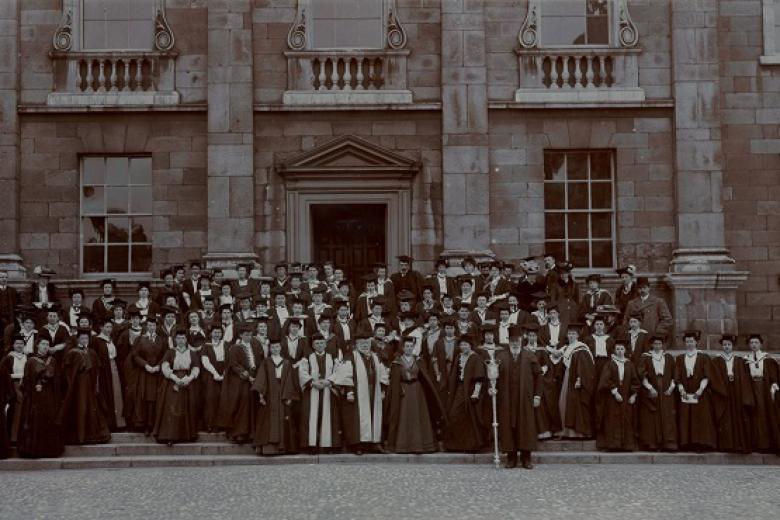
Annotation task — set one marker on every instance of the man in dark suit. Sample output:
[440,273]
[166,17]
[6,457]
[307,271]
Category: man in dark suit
[407,278]
[655,316]
[42,293]
[441,282]
[8,300]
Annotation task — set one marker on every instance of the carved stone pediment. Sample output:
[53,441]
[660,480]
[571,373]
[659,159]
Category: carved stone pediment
[348,156]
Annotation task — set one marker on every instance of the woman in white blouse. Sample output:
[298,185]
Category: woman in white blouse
[180,367]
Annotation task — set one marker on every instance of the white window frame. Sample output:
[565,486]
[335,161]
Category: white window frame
[565,211]
[771,54]
[610,24]
[129,215]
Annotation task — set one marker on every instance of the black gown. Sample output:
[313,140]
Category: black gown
[174,421]
[82,419]
[40,435]
[465,428]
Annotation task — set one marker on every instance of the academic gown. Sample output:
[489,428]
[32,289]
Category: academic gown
[519,380]
[275,428]
[414,408]
[111,383]
[575,403]
[237,405]
[764,415]
[7,395]
[730,404]
[174,421]
[81,417]
[548,415]
[615,421]
[465,428]
[319,408]
[361,419]
[695,423]
[211,387]
[657,416]
[143,387]
[40,434]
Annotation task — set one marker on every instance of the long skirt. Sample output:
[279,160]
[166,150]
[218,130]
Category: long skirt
[211,391]
[174,422]
[414,431]
[40,436]
[463,433]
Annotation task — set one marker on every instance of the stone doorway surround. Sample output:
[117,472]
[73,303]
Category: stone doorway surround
[348,170]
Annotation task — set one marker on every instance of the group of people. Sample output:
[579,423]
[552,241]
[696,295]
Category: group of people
[302,361]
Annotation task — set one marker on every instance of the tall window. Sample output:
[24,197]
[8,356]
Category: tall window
[575,22]
[579,207]
[347,24]
[116,214]
[118,24]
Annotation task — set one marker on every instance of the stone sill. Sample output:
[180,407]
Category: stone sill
[113,99]
[46,109]
[652,103]
[580,95]
[270,107]
[771,59]
[348,97]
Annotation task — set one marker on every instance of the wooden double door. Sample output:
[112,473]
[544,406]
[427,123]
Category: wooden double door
[353,236]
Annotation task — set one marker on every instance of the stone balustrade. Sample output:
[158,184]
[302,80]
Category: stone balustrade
[579,75]
[346,77]
[113,78]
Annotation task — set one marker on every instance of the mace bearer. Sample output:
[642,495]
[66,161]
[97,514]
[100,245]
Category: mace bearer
[492,374]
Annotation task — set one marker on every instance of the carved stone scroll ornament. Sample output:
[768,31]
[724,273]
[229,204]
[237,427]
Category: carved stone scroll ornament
[396,35]
[63,36]
[296,38]
[529,32]
[163,35]
[628,34]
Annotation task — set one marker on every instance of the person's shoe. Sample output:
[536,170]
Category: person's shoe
[528,465]
[511,461]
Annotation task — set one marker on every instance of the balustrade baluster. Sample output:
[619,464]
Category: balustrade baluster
[565,72]
[371,74]
[79,77]
[554,72]
[601,76]
[589,71]
[347,74]
[114,64]
[334,75]
[102,77]
[139,74]
[126,81]
[90,76]
[321,77]
[578,72]
[359,74]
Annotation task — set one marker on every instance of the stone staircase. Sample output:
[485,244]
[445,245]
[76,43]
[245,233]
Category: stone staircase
[134,450]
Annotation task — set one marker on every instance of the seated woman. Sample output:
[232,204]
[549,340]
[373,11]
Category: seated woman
[180,367]
[40,434]
[464,431]
[617,393]
[277,388]
[415,406]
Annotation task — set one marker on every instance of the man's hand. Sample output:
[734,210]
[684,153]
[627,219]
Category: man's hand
[537,401]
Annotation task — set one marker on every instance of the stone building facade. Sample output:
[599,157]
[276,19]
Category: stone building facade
[473,125]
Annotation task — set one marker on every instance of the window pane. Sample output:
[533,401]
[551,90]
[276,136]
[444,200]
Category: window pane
[118,229]
[554,225]
[600,166]
[598,30]
[602,254]
[116,200]
[93,230]
[578,225]
[141,170]
[554,195]
[117,34]
[563,30]
[601,225]
[577,166]
[141,199]
[94,170]
[564,8]
[117,171]
[140,34]
[92,200]
[142,229]
[141,259]
[94,35]
[141,10]
[93,259]
[578,254]
[578,195]
[556,248]
[118,257]
[596,7]
[554,169]
[601,195]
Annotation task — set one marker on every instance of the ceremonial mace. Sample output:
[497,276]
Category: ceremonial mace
[492,375]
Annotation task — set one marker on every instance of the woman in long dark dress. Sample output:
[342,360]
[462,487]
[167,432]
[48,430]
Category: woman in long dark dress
[730,401]
[615,405]
[144,362]
[414,405]
[180,367]
[276,386]
[692,369]
[40,434]
[464,431]
[764,415]
[212,359]
[12,370]
[236,404]
[657,412]
[8,392]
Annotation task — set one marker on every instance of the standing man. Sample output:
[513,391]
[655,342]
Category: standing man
[8,300]
[519,393]
[42,292]
[407,278]
[441,282]
[653,311]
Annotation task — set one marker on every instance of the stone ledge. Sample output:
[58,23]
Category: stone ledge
[648,104]
[266,107]
[773,59]
[113,99]
[579,95]
[46,109]
[347,97]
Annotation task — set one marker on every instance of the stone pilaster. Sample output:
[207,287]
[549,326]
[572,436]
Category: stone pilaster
[9,139]
[702,273]
[465,177]
[230,133]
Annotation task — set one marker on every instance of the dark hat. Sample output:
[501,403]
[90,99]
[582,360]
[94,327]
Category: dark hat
[759,337]
[539,295]
[276,291]
[468,260]
[132,311]
[409,315]
[441,261]
[405,258]
[487,327]
[44,271]
[244,295]
[280,264]
[529,258]
[531,327]
[405,295]
[320,289]
[76,290]
[404,339]
[622,340]
[635,315]
[657,337]
[593,277]
[245,327]
[226,307]
[294,321]
[295,267]
[485,263]
[108,281]
[257,300]
[54,307]
[728,337]
[515,331]
[296,274]
[263,318]
[208,298]
[340,302]
[327,314]
[83,330]
[142,284]
[642,281]
[166,309]
[607,309]
[695,334]
[316,336]
[466,305]
[379,300]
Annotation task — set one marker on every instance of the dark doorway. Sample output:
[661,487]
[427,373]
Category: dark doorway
[353,236]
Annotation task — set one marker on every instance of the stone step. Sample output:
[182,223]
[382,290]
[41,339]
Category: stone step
[140,438]
[571,457]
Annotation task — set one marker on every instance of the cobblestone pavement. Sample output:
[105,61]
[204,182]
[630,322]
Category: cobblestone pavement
[363,491]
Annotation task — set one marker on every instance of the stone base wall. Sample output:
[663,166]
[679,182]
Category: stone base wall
[50,182]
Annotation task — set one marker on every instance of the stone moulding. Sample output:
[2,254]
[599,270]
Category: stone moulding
[63,36]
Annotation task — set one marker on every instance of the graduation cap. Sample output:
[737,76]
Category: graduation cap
[83,330]
[405,295]
[205,274]
[642,281]
[539,295]
[295,267]
[531,327]
[76,290]
[292,320]
[728,337]
[339,302]
[259,300]
[486,327]
[54,307]
[370,277]
[133,311]
[263,318]
[274,339]
[408,315]
[622,340]
[226,307]
[19,337]
[468,260]
[143,284]
[515,331]
[245,327]
[441,261]
[405,259]
[593,277]
[85,314]
[657,337]
[317,336]
[320,289]
[575,326]
[108,281]
[244,295]
[607,309]
[296,274]
[529,258]
[276,291]
[464,305]
[167,309]
[695,334]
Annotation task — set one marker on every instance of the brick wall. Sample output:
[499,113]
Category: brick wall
[414,135]
[750,99]
[645,190]
[49,194]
